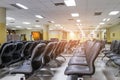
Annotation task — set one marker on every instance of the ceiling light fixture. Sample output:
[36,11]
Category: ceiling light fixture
[104,19]
[18,27]
[39,16]
[78,20]
[70,3]
[101,23]
[22,6]
[108,19]
[10,18]
[114,12]
[26,23]
[75,14]
[37,26]
[29,28]
[57,25]
[52,22]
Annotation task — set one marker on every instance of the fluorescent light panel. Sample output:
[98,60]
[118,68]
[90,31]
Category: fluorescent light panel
[108,19]
[104,19]
[70,2]
[37,26]
[57,25]
[22,6]
[102,23]
[78,20]
[39,16]
[75,14]
[52,22]
[10,18]
[18,27]
[114,12]
[26,22]
[29,28]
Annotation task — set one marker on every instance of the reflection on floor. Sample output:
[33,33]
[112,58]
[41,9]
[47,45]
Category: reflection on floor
[103,72]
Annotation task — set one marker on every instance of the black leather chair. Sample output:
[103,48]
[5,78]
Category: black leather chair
[115,50]
[25,51]
[77,59]
[81,70]
[17,55]
[35,62]
[105,52]
[31,48]
[6,54]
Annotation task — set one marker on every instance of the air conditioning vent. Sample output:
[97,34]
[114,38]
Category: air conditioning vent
[97,13]
[59,4]
[14,5]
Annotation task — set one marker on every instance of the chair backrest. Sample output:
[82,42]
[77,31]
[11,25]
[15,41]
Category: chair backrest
[48,49]
[88,47]
[25,51]
[7,51]
[36,61]
[94,52]
[113,45]
[2,46]
[31,48]
[55,51]
[116,46]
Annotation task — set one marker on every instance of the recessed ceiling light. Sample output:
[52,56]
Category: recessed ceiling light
[114,12]
[61,27]
[39,16]
[50,29]
[108,19]
[101,23]
[70,2]
[13,28]
[78,20]
[80,24]
[75,14]
[18,27]
[22,6]
[104,19]
[57,25]
[37,26]
[52,22]
[29,28]
[10,18]
[26,22]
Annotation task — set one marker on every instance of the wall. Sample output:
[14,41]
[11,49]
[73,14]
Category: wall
[73,36]
[27,32]
[56,34]
[114,32]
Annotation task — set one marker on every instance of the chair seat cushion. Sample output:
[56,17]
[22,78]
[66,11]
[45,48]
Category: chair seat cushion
[77,70]
[115,57]
[117,61]
[26,68]
[77,61]
[110,55]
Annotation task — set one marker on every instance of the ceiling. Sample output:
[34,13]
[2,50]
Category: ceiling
[61,14]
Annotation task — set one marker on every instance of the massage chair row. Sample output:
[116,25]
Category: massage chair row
[113,53]
[80,66]
[14,51]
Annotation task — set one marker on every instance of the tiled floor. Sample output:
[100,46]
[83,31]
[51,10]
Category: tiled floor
[103,72]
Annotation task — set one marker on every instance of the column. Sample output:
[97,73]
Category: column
[45,32]
[3,34]
[108,35]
